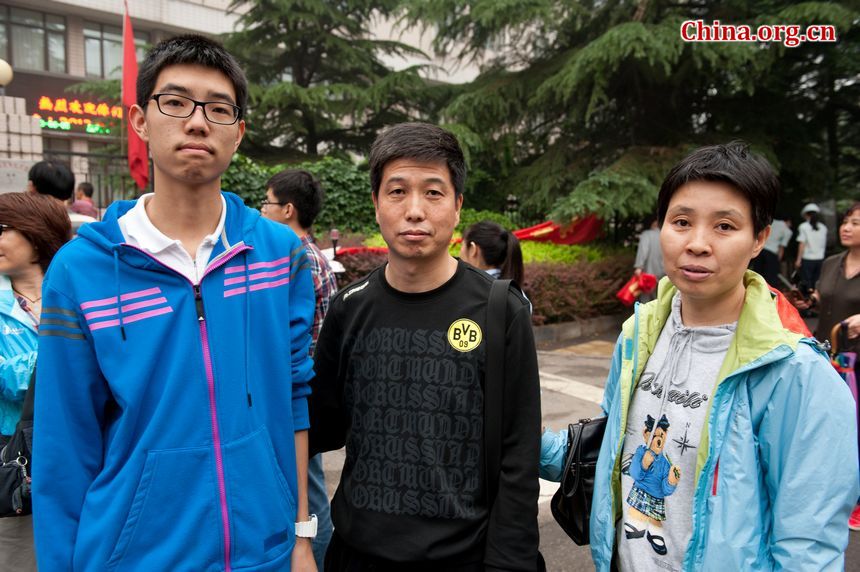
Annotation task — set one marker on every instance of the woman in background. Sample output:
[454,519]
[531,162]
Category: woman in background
[32,229]
[489,247]
[837,298]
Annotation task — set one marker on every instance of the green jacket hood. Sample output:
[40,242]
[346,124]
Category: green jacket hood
[760,329]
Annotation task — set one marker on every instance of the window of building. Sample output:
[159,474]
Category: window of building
[32,40]
[103,49]
[57,149]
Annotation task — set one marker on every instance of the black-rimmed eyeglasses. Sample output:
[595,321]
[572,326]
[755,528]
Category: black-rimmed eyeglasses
[180,106]
[265,202]
[3,227]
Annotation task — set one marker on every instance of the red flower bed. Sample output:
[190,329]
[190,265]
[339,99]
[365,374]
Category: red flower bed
[558,292]
[566,292]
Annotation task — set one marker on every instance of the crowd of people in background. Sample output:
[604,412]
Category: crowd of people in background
[196,359]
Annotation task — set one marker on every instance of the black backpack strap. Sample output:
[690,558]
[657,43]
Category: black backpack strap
[27,410]
[494,385]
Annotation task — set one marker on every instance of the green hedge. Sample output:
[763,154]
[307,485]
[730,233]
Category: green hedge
[559,292]
[468,217]
[347,205]
[566,292]
[535,252]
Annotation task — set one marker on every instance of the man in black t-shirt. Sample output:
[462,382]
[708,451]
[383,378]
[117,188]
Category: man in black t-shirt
[400,368]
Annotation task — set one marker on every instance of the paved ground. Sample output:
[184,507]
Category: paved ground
[572,378]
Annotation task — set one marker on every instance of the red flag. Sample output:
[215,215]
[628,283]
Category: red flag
[138,158]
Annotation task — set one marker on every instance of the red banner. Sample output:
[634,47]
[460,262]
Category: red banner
[580,230]
[138,158]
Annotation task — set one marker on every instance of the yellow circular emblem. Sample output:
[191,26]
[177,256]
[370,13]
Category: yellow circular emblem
[464,335]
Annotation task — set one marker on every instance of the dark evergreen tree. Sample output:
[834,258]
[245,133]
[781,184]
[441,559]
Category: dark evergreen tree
[318,83]
[582,106]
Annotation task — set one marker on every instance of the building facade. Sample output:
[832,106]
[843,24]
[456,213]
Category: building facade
[53,45]
[64,43]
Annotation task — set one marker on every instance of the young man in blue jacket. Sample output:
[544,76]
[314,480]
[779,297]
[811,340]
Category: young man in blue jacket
[171,416]
[761,458]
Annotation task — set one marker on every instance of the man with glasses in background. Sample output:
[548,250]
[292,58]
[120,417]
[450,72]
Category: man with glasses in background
[295,198]
[171,418]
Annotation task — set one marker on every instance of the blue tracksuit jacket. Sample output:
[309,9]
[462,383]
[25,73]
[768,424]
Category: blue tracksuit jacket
[165,413]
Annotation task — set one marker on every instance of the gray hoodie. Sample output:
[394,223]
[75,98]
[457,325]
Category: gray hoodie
[667,413]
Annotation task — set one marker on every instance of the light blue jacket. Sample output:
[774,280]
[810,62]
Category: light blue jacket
[776,475]
[18,342]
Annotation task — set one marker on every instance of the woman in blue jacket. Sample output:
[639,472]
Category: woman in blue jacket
[32,228]
[758,431]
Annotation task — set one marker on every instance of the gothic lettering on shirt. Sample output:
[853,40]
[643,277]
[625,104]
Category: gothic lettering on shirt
[416,412]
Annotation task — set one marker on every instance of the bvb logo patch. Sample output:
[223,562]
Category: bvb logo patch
[464,335]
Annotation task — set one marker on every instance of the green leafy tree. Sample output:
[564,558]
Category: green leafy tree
[582,106]
[347,204]
[318,83]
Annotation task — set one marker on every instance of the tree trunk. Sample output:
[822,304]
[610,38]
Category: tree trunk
[640,10]
[832,120]
[312,140]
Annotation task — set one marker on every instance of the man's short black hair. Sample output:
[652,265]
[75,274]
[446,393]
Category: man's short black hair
[195,50]
[733,164]
[422,142]
[300,188]
[54,178]
[87,189]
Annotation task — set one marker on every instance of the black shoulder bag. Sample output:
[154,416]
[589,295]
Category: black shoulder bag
[15,457]
[497,309]
[571,504]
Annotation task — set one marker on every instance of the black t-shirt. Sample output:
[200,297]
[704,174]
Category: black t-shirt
[399,381]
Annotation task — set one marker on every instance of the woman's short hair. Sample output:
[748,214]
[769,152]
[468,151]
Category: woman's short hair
[41,219]
[733,164]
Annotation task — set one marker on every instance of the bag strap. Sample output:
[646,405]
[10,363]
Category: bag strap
[494,360]
[29,397]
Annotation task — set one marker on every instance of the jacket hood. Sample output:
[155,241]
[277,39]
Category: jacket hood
[107,235]
[759,328]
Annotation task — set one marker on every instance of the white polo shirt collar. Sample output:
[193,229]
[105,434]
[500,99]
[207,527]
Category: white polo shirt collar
[139,231]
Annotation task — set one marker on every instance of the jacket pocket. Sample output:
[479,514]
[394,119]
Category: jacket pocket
[262,506]
[172,522]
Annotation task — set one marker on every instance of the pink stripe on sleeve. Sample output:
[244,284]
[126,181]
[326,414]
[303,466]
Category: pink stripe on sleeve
[272,264]
[256,265]
[125,308]
[255,287]
[265,285]
[124,297]
[132,318]
[257,276]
